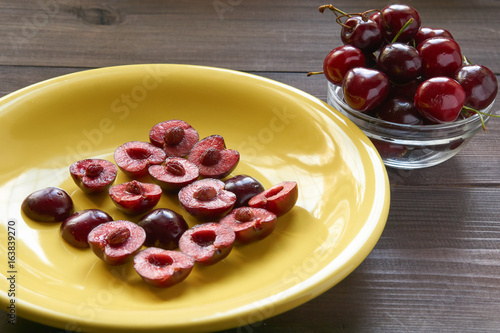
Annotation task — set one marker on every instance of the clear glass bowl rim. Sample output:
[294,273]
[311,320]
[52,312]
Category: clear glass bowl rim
[458,127]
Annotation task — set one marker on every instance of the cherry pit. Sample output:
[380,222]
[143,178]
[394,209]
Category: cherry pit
[230,210]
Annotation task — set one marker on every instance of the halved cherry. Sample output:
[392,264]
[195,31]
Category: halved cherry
[212,157]
[50,204]
[207,243]
[135,157]
[207,199]
[163,268]
[176,137]
[278,199]
[175,174]
[93,175]
[250,224]
[135,197]
[116,242]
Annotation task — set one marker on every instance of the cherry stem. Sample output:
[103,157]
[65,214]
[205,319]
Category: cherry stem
[332,8]
[315,73]
[480,114]
[403,28]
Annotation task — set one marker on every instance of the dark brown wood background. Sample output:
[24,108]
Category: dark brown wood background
[436,267]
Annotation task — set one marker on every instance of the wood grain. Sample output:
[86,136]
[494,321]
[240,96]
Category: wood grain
[247,35]
[436,267]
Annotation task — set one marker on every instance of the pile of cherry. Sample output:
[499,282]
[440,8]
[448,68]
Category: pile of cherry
[238,210]
[392,68]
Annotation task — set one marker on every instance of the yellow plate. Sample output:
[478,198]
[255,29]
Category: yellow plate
[281,133]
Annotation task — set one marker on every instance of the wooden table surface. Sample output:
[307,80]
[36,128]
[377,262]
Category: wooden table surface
[436,267]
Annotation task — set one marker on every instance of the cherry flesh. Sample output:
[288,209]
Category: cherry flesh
[116,242]
[176,137]
[440,99]
[340,60]
[175,174]
[245,187]
[440,56]
[406,90]
[400,62]
[135,157]
[93,175]
[51,204]
[135,197]
[76,228]
[207,199]
[278,199]
[212,157]
[365,89]
[250,224]
[163,228]
[163,268]
[207,243]
[363,33]
[480,85]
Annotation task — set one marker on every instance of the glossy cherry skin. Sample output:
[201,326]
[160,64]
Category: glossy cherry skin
[440,99]
[399,110]
[425,33]
[245,187]
[480,85]
[76,228]
[394,18]
[365,34]
[50,204]
[365,89]
[440,56]
[163,228]
[401,62]
[340,60]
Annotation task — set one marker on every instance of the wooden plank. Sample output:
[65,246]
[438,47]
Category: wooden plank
[478,163]
[244,35]
[435,268]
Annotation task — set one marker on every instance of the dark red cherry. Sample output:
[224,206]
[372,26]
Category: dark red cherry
[340,60]
[440,56]
[440,99]
[245,187]
[365,89]
[425,33]
[50,204]
[480,85]
[392,19]
[401,62]
[163,228]
[399,110]
[363,33]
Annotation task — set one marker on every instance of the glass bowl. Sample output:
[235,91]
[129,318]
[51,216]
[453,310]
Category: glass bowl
[410,146]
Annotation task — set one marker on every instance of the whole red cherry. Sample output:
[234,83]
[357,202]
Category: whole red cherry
[340,60]
[440,99]
[365,89]
[440,56]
